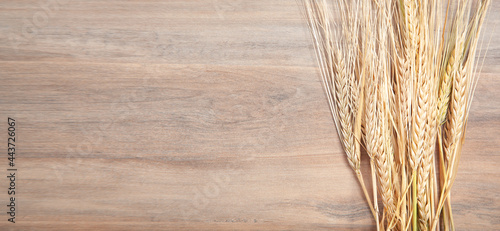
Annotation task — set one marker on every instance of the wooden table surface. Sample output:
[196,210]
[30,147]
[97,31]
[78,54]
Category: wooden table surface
[193,115]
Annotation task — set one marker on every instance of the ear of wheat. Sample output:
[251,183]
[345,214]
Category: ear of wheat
[399,76]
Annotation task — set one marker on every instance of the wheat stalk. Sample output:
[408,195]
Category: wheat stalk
[338,78]
[400,79]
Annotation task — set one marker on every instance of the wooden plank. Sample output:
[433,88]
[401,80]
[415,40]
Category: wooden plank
[194,115]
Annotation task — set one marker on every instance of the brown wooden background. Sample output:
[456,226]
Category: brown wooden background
[194,115]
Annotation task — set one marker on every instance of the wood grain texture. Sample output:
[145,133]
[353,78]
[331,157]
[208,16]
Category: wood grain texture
[194,115]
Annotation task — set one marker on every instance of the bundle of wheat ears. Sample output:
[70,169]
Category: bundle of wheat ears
[399,76]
